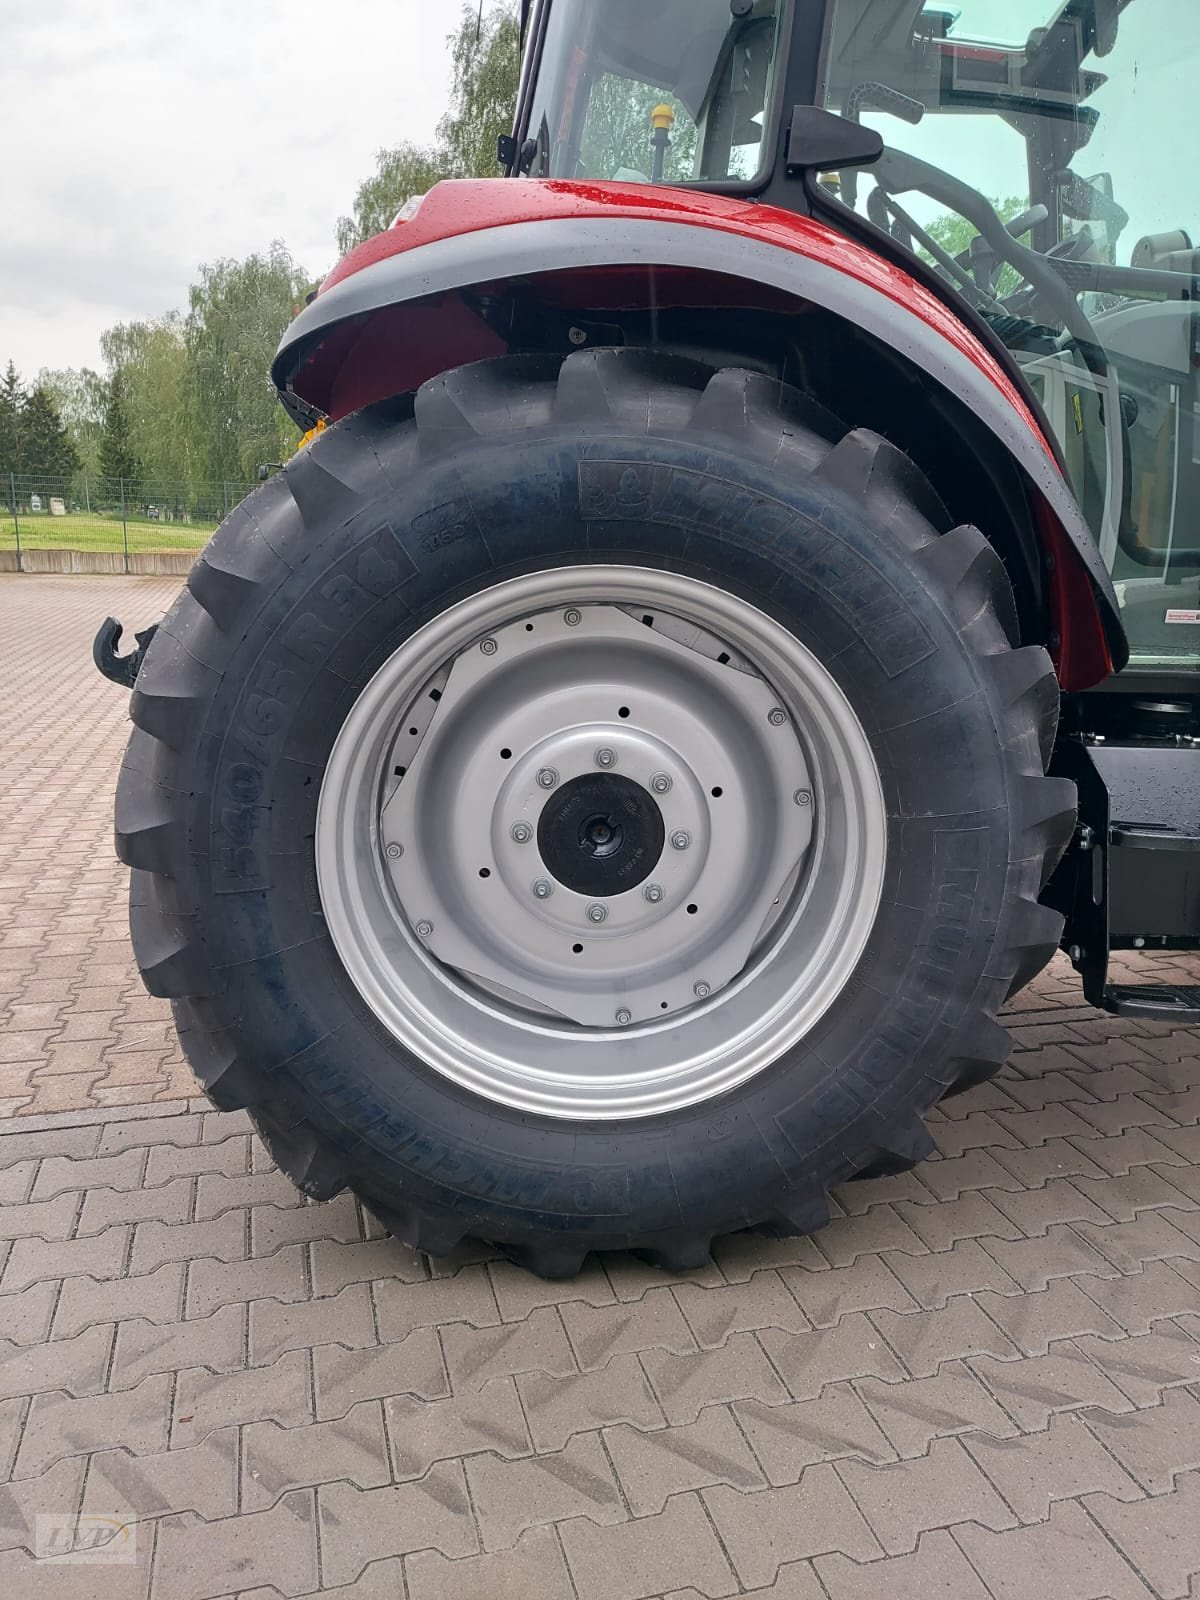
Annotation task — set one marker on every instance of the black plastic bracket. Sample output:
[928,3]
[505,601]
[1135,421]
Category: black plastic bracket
[121,670]
[821,141]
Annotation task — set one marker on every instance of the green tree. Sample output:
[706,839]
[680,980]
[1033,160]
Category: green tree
[954,234]
[617,132]
[486,57]
[81,397]
[46,447]
[117,459]
[400,175]
[239,310]
[161,426]
[12,404]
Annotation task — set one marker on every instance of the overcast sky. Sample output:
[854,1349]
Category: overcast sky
[143,137]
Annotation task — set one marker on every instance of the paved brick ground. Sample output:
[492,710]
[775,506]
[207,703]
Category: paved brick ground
[982,1382]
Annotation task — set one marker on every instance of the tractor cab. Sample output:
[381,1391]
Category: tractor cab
[1035,170]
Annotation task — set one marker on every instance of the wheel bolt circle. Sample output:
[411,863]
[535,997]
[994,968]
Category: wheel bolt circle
[395,851]
[606,757]
[653,893]
[572,618]
[547,778]
[597,912]
[803,797]
[543,889]
[661,783]
[489,647]
[680,839]
[624,1017]
[424,930]
[701,991]
[521,832]
[777,718]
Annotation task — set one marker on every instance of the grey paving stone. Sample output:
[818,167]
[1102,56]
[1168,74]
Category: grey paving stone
[937,1568]
[344,1319]
[188,1160]
[598,1333]
[77,1366]
[157,1131]
[277,1459]
[201,1478]
[196,1559]
[363,1525]
[557,1408]
[171,1203]
[217,1342]
[635,1559]
[466,1297]
[764,1531]
[651,1467]
[518,1292]
[59,1174]
[925,1339]
[25,1316]
[915,1413]
[334,1265]
[204,1400]
[274,1226]
[281,1277]
[59,1426]
[23,1575]
[1146,1364]
[534,1569]
[422,1432]
[933,1280]
[49,1141]
[40,1219]
[1065,1462]
[1035,1388]
[34,1260]
[475,1355]
[763,1302]
[686,1384]
[345,1377]
[55,1493]
[16,1182]
[1060,1311]
[510,1496]
[788,1438]
[808,1361]
[827,1297]
[156,1242]
[1153,1446]
[1068,1557]
[224,1191]
[912,1497]
[157,1297]
[630,1278]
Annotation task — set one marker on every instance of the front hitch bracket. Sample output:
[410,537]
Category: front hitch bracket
[121,670]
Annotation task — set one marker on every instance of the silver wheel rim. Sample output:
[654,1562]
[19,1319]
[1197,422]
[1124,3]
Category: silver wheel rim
[495,968]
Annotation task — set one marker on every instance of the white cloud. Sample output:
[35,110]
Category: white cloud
[145,137]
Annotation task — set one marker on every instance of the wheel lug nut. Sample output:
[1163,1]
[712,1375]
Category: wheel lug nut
[606,757]
[661,783]
[572,618]
[803,797]
[653,893]
[489,647]
[395,851]
[543,889]
[424,930]
[777,718]
[597,913]
[624,1018]
[547,778]
[521,832]
[701,991]
[680,840]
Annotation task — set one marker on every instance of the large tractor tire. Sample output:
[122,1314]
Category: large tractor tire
[601,805]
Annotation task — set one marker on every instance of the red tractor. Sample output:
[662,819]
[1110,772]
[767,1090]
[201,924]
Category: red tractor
[740,618]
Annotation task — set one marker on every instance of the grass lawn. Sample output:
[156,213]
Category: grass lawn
[96,532]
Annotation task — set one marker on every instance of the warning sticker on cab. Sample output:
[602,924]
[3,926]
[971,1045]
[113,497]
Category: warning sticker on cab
[1184,616]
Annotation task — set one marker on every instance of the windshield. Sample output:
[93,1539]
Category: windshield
[645,91]
[1074,123]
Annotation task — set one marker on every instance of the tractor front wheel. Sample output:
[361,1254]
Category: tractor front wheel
[599,806]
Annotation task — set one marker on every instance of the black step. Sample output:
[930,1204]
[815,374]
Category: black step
[1163,1002]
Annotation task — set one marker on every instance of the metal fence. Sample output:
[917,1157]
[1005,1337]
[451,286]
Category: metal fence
[84,512]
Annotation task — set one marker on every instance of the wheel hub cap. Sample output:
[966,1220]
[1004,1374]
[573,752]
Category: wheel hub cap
[600,842]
